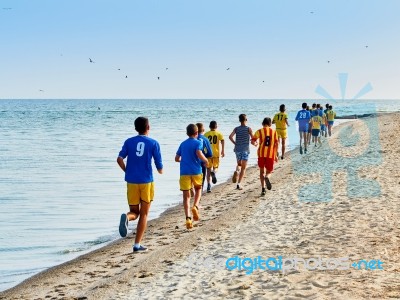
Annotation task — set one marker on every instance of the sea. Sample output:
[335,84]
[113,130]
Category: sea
[61,190]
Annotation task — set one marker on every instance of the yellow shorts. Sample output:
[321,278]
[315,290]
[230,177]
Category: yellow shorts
[282,133]
[140,191]
[213,162]
[187,181]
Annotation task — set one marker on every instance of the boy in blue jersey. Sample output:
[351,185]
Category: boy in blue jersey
[207,151]
[140,151]
[303,117]
[190,156]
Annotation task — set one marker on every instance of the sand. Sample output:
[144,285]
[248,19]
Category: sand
[342,205]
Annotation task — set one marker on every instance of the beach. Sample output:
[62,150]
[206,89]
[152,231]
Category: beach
[357,220]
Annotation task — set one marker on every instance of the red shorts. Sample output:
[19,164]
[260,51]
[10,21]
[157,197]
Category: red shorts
[268,163]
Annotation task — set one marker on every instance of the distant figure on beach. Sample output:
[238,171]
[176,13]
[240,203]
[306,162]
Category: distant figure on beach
[303,117]
[242,150]
[315,124]
[215,138]
[324,125]
[309,127]
[331,115]
[190,156]
[281,122]
[207,151]
[140,151]
[267,152]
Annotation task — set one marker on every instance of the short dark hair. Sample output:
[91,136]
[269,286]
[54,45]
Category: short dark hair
[242,118]
[267,121]
[200,127]
[314,105]
[330,106]
[304,105]
[191,129]
[213,124]
[318,105]
[327,105]
[282,108]
[141,124]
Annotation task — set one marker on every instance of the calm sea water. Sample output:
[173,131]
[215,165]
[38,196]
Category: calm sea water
[61,190]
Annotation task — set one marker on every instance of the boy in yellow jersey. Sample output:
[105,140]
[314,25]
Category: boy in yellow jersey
[215,138]
[331,115]
[324,125]
[267,152]
[316,122]
[281,122]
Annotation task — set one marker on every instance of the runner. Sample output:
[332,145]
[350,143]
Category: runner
[331,115]
[315,124]
[303,117]
[281,121]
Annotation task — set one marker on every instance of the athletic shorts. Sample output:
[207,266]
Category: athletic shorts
[187,181]
[315,132]
[323,128]
[282,133]
[265,162]
[213,162]
[140,191]
[242,155]
[303,128]
[330,123]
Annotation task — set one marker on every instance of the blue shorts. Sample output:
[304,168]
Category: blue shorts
[315,132]
[303,128]
[323,128]
[330,123]
[242,155]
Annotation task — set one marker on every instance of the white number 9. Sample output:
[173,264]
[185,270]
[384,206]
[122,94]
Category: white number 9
[140,149]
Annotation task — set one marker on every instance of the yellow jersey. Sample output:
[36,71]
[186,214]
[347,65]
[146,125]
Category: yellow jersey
[331,115]
[316,122]
[280,120]
[215,137]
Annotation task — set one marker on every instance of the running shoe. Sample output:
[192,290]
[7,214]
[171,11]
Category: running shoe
[305,150]
[195,212]
[139,249]
[301,150]
[214,179]
[123,225]
[238,187]
[235,176]
[208,188]
[189,223]
[263,192]
[268,183]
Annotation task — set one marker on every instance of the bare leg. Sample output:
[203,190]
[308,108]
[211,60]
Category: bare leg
[243,170]
[186,202]
[283,147]
[262,177]
[142,224]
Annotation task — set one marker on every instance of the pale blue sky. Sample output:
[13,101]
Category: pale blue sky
[46,45]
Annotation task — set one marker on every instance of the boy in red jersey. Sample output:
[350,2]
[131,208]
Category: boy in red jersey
[267,152]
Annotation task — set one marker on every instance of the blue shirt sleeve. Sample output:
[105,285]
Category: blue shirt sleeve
[297,116]
[157,156]
[124,151]
[208,147]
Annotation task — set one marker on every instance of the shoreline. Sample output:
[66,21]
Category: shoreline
[109,271]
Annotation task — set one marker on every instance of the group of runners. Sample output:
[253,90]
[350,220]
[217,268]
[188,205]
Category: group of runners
[199,158]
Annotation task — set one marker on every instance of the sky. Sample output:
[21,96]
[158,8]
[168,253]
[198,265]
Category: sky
[184,49]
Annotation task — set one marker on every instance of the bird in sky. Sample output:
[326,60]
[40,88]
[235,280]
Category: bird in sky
[126,76]
[41,91]
[119,69]
[90,60]
[158,78]
[366,46]
[228,69]
[311,12]
[166,68]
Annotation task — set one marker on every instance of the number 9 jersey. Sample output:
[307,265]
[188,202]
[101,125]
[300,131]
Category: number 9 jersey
[140,151]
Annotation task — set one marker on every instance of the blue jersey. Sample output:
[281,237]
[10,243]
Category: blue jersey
[207,151]
[303,116]
[190,163]
[140,151]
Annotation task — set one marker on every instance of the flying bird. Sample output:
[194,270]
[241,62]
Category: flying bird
[328,61]
[158,78]
[126,76]
[41,91]
[228,69]
[366,46]
[166,68]
[90,60]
